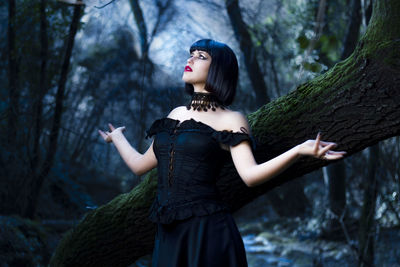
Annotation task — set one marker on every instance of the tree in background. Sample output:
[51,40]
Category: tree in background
[27,182]
[51,111]
[249,50]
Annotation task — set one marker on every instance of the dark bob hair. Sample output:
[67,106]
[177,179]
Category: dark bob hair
[223,72]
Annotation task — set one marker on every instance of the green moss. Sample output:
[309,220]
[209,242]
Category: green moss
[382,32]
[275,117]
[385,21]
[115,212]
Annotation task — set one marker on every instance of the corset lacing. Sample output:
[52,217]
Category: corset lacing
[171,157]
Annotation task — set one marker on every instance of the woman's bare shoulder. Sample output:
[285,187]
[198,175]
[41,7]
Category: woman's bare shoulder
[176,112]
[236,121]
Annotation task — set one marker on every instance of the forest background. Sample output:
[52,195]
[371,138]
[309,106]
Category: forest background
[70,67]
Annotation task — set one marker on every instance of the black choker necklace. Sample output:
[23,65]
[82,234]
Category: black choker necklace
[203,102]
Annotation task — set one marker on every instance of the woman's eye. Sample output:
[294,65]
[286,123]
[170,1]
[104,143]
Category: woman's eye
[198,56]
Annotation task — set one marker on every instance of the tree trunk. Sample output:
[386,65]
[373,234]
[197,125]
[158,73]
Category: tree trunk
[147,64]
[353,30]
[38,102]
[249,52]
[289,200]
[35,183]
[141,24]
[12,77]
[336,200]
[356,104]
[321,26]
[367,222]
[368,11]
[337,171]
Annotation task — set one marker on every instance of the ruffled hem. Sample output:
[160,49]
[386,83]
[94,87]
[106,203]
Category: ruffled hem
[168,214]
[225,137]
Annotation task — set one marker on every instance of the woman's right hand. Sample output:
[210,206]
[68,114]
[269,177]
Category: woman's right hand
[108,136]
[320,149]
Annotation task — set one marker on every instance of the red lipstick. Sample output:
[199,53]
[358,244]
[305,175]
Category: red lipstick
[187,68]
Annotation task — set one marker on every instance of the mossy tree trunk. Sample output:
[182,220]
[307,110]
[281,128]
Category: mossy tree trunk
[356,104]
[337,172]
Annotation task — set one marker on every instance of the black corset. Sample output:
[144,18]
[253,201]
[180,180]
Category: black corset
[189,158]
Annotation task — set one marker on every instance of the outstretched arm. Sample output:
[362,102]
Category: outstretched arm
[137,162]
[255,174]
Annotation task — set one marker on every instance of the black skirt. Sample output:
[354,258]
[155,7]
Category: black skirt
[206,241]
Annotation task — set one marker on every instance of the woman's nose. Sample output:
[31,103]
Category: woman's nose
[190,60]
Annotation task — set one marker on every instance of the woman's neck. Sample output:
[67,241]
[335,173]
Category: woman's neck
[200,88]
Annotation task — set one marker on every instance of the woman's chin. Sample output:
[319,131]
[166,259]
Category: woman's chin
[186,79]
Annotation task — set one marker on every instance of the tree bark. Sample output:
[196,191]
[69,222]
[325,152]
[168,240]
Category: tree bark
[337,171]
[356,104]
[249,51]
[367,221]
[35,183]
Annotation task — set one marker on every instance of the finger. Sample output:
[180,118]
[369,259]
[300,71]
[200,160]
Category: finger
[324,143]
[316,144]
[112,128]
[102,134]
[108,137]
[331,152]
[105,136]
[325,149]
[333,156]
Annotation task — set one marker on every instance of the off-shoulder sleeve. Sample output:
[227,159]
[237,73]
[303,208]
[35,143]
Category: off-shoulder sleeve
[164,124]
[154,128]
[231,138]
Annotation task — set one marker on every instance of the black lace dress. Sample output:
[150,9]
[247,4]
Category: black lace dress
[194,226]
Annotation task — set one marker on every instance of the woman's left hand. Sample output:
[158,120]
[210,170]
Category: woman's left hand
[320,149]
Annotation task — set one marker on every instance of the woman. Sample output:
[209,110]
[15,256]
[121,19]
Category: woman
[194,226]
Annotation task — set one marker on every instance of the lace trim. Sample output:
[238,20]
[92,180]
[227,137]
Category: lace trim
[167,214]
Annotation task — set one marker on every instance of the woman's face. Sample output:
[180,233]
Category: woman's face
[196,69]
